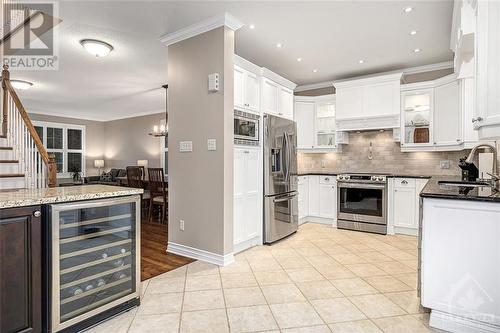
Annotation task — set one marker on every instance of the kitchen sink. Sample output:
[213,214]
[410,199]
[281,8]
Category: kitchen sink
[462,183]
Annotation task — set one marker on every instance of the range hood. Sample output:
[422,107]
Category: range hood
[368,103]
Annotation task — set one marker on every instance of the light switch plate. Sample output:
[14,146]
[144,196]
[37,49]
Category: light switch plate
[213,82]
[186,146]
[211,144]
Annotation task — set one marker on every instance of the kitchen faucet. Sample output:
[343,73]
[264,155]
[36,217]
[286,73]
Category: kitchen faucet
[494,175]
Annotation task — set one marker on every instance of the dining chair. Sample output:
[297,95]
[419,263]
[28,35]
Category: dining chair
[135,178]
[159,195]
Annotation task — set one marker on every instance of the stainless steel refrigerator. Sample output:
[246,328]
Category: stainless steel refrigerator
[280,178]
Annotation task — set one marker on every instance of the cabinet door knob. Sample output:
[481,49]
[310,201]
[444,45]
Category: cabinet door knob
[37,213]
[404,182]
[477,119]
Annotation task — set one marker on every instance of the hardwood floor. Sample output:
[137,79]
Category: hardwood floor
[154,258]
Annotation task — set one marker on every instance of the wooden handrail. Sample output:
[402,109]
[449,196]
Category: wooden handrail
[48,159]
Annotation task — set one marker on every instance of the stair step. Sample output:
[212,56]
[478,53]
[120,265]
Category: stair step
[3,136]
[6,148]
[11,175]
[9,161]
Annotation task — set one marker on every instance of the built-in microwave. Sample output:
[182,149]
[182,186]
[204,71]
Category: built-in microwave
[246,128]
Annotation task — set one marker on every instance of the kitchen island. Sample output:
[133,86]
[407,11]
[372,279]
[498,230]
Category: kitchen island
[460,256]
[82,241]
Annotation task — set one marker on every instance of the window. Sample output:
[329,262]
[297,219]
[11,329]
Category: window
[164,154]
[67,143]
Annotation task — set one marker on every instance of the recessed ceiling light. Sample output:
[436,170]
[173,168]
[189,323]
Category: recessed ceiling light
[315,70]
[417,50]
[21,84]
[361,61]
[96,47]
[299,59]
[252,26]
[278,45]
[413,32]
[408,9]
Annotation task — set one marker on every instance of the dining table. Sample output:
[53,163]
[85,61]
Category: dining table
[122,181]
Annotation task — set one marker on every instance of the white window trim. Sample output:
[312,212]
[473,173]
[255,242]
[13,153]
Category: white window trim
[65,150]
[163,149]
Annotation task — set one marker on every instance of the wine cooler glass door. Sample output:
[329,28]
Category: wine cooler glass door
[95,258]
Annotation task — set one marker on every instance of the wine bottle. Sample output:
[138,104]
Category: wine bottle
[123,251]
[119,276]
[73,291]
[118,262]
[101,282]
[88,286]
[104,255]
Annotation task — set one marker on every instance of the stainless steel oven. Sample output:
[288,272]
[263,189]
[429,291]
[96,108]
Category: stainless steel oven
[362,203]
[246,128]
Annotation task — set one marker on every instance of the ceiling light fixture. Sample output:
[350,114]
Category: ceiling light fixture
[361,61]
[252,26]
[408,9]
[299,59]
[413,32]
[417,50]
[21,84]
[315,70]
[278,45]
[96,47]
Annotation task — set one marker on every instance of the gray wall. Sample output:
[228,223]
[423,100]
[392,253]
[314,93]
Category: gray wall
[119,142]
[202,180]
[128,140]
[94,137]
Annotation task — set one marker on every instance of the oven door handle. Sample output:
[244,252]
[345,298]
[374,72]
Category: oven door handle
[361,185]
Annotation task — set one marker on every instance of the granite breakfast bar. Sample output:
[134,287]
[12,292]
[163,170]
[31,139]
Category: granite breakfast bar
[459,249]
[69,256]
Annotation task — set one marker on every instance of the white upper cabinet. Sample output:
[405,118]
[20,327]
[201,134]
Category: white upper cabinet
[433,113]
[285,104]
[487,119]
[246,90]
[447,114]
[316,127]
[270,91]
[368,103]
[304,117]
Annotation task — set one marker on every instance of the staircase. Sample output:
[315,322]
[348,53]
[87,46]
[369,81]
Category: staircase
[24,161]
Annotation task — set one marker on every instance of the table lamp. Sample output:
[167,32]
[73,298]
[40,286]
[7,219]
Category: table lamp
[99,164]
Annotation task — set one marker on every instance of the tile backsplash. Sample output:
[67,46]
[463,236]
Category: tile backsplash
[386,157]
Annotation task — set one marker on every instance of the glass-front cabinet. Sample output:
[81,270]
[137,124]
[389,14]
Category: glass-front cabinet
[95,258]
[325,124]
[416,117]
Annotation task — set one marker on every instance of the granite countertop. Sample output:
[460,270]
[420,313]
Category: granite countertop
[434,190]
[30,197]
[333,173]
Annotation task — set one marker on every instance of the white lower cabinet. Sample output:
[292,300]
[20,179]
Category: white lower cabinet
[247,224]
[303,188]
[404,205]
[317,199]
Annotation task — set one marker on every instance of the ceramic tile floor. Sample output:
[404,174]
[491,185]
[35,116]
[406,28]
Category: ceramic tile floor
[319,280]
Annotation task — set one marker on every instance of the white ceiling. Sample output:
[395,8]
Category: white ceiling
[330,36]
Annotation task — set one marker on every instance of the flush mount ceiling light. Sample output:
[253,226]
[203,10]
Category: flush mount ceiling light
[20,84]
[361,61]
[96,47]
[315,70]
[299,59]
[278,45]
[417,50]
[413,32]
[252,26]
[408,9]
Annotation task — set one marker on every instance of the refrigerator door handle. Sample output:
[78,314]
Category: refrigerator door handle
[284,153]
[287,198]
[289,155]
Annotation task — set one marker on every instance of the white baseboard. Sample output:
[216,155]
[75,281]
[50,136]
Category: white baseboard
[456,324]
[405,231]
[315,219]
[246,244]
[194,253]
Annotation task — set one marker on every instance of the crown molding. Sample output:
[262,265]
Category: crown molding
[269,74]
[223,19]
[428,68]
[313,86]
[98,119]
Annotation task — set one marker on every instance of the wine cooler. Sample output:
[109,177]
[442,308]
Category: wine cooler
[94,261]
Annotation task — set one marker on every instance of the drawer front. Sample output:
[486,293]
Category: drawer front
[303,180]
[404,182]
[327,179]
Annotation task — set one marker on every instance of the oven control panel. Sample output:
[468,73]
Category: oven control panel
[364,178]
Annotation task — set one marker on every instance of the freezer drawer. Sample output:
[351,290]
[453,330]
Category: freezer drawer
[281,216]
